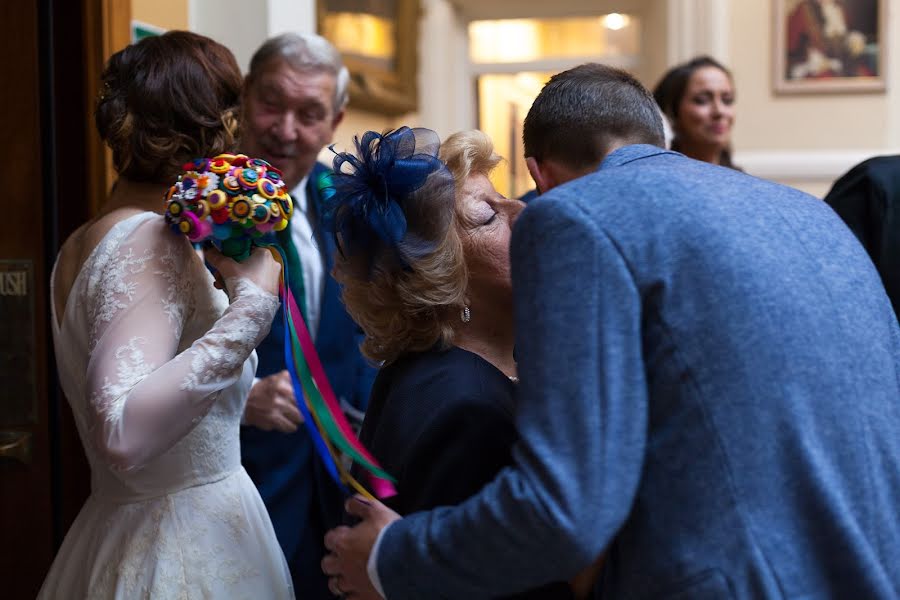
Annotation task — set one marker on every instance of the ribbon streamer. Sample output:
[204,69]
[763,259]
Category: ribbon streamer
[236,202]
[325,420]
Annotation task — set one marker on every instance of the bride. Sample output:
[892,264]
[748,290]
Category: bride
[155,362]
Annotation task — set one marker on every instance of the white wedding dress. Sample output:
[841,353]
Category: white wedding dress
[157,366]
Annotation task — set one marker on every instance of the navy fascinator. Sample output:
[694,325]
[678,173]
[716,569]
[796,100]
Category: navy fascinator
[394,196]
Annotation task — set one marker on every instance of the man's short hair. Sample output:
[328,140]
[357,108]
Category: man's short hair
[582,112]
[304,52]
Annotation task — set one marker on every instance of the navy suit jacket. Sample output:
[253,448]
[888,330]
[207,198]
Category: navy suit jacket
[301,499]
[709,392]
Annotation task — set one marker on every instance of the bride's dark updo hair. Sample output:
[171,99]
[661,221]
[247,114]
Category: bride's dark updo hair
[166,100]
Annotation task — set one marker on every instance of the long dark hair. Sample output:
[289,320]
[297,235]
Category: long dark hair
[670,90]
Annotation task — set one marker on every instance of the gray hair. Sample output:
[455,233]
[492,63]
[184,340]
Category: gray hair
[305,52]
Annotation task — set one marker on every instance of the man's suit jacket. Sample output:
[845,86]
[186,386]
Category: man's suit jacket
[299,495]
[867,198]
[708,393]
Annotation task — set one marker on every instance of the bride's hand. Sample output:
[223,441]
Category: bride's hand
[260,268]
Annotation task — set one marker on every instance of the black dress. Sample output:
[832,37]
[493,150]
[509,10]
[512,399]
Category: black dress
[441,422]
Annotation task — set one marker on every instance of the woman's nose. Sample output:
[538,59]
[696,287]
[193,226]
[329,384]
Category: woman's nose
[721,108]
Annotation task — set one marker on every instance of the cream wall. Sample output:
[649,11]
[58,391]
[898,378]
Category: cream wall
[804,140]
[357,122]
[167,14]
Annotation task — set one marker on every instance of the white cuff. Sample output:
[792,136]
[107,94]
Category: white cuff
[372,565]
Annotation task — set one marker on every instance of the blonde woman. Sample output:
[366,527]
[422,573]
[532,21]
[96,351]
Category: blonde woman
[435,302]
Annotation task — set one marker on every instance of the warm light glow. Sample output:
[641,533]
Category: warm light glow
[510,40]
[524,40]
[512,57]
[361,34]
[504,100]
[615,21]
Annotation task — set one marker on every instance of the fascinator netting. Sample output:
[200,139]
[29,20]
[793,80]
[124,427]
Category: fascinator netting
[394,197]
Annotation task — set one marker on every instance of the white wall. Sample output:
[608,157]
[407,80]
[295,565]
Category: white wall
[243,25]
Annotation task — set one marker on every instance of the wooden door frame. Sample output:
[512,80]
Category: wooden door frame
[107,29]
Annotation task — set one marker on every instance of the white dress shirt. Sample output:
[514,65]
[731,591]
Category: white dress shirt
[372,564]
[302,234]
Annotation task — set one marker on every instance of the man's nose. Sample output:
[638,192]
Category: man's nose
[286,127]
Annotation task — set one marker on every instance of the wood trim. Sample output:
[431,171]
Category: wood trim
[107,29]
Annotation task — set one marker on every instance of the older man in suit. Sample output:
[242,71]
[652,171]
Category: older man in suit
[294,98]
[709,387]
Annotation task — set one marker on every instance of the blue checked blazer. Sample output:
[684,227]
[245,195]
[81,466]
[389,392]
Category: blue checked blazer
[709,394]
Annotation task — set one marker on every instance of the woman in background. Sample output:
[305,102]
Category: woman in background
[434,298]
[698,97]
[153,360]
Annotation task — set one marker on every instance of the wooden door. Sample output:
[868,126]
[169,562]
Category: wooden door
[56,176]
[25,456]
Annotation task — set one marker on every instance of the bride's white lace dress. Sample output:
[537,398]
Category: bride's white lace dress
[156,365]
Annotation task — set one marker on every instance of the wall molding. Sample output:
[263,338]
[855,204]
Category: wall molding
[804,165]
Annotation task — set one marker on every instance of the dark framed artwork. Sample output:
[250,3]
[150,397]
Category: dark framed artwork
[378,41]
[829,46]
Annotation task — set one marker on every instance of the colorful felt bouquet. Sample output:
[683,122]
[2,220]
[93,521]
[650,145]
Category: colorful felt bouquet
[234,203]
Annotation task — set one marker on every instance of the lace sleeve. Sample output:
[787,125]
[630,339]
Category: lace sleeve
[144,396]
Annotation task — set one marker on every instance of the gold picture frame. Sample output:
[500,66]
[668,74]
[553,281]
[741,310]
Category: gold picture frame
[829,46]
[378,41]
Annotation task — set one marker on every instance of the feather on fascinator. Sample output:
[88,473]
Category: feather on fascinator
[395,195]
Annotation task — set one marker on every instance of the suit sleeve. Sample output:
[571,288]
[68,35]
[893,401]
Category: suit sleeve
[582,418]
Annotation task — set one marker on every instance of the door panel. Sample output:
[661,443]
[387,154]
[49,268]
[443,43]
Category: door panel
[25,471]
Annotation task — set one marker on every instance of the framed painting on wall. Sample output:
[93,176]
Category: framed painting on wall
[829,46]
[378,41]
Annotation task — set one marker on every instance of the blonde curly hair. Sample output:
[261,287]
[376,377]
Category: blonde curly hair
[412,309]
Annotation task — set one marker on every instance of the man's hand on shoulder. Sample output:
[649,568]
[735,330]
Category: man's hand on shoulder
[349,549]
[271,404]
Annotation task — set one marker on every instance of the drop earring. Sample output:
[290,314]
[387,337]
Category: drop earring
[465,314]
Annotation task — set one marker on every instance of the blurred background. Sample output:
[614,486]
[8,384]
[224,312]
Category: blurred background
[481,63]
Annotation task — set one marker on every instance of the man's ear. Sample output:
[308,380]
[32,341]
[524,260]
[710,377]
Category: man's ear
[337,119]
[540,173]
